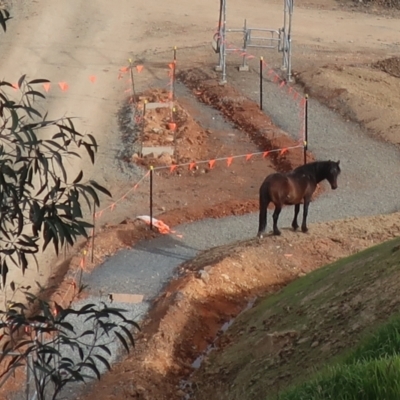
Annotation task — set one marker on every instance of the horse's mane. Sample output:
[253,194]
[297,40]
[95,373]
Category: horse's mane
[312,167]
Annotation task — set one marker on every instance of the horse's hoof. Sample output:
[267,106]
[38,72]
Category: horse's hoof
[277,233]
[260,235]
[295,227]
[304,229]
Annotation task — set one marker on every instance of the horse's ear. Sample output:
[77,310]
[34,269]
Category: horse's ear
[338,162]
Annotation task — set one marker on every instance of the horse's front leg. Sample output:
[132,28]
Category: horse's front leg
[275,217]
[305,213]
[295,225]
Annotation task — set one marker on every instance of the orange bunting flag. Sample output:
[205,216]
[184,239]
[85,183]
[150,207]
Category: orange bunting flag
[139,68]
[265,153]
[112,206]
[248,156]
[82,263]
[63,86]
[270,72]
[283,151]
[264,64]
[171,65]
[249,57]
[295,95]
[124,69]
[92,78]
[290,90]
[172,168]
[192,165]
[229,161]
[211,164]
[303,101]
[243,53]
[96,215]
[46,86]
[15,86]
[282,84]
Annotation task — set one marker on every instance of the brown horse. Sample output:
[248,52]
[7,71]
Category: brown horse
[292,188]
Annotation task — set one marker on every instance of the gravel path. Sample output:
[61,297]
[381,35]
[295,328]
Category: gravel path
[368,171]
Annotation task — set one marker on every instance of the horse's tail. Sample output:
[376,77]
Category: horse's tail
[264,201]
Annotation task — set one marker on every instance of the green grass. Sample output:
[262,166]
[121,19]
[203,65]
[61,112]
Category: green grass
[372,380]
[371,371]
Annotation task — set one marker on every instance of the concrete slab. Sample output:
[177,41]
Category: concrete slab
[152,106]
[157,150]
[125,298]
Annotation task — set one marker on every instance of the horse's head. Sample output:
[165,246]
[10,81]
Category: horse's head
[333,173]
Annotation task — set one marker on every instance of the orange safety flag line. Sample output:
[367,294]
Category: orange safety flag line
[265,154]
[295,95]
[112,206]
[92,78]
[139,68]
[136,186]
[172,168]
[248,156]
[46,86]
[211,164]
[63,86]
[283,151]
[15,86]
[303,101]
[192,165]
[250,56]
[229,161]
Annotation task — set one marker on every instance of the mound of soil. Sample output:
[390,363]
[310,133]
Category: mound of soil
[390,65]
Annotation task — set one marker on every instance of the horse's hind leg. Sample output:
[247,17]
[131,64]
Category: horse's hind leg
[262,219]
[295,225]
[305,213]
[275,218]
